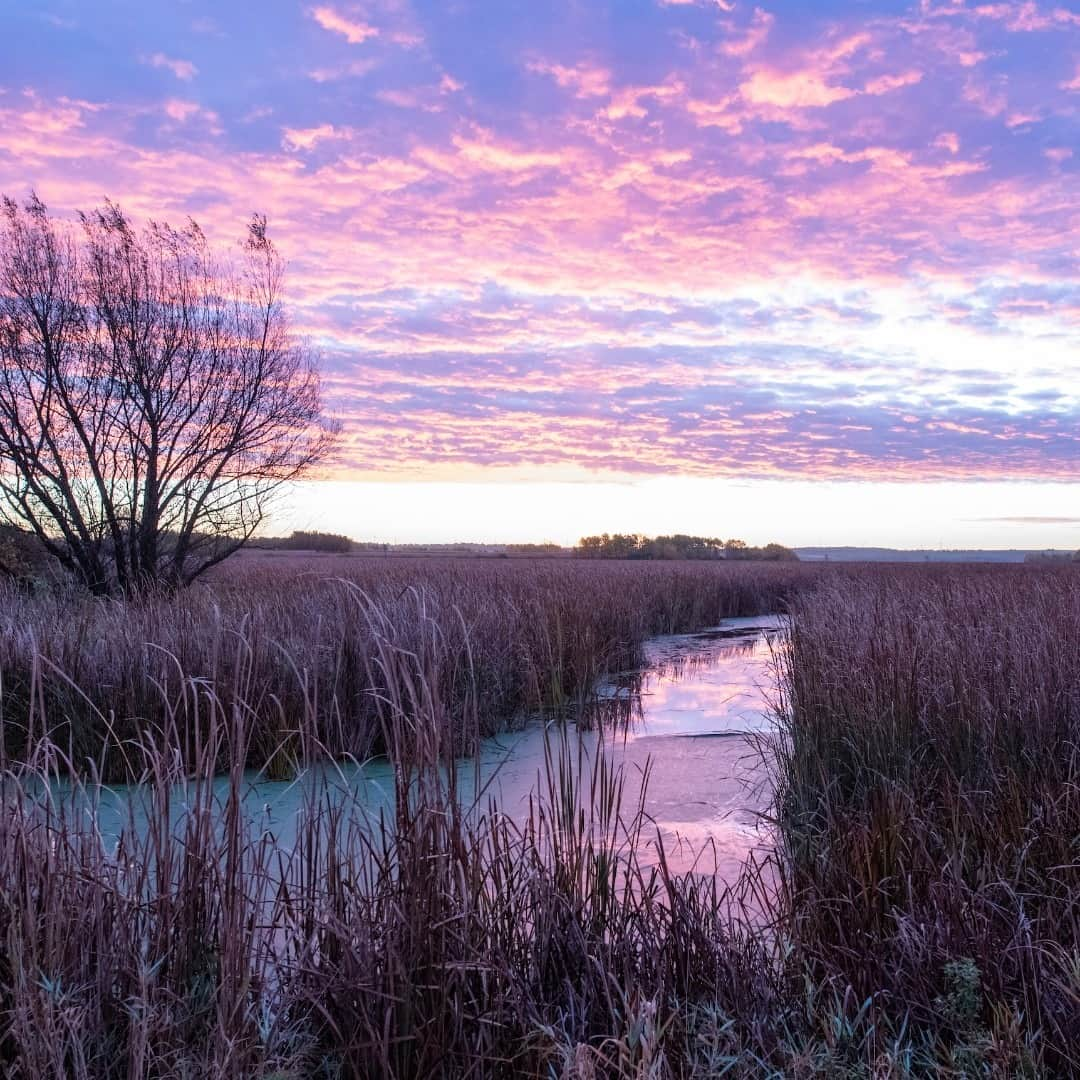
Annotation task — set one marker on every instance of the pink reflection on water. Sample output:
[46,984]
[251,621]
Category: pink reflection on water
[706,716]
[711,683]
[707,713]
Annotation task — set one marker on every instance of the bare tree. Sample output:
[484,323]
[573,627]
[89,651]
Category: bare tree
[152,396]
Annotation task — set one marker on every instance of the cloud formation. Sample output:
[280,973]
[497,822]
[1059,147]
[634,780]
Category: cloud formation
[182,69]
[352,30]
[730,240]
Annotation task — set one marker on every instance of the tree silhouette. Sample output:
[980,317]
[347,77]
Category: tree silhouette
[153,398]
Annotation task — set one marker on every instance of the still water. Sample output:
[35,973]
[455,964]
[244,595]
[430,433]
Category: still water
[702,711]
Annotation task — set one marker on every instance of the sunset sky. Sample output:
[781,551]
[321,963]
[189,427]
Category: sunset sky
[796,271]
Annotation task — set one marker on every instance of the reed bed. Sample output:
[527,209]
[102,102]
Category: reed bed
[918,919]
[445,941]
[928,797]
[291,642]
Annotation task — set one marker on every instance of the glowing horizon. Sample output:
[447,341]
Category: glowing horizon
[798,513]
[672,245]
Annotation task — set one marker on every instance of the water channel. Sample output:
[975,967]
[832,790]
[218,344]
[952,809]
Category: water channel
[701,711]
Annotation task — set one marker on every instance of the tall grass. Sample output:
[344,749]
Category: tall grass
[445,941]
[929,801]
[293,646]
[919,919]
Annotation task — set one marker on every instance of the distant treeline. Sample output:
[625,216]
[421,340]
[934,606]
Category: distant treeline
[534,549]
[302,540]
[679,546]
[1055,557]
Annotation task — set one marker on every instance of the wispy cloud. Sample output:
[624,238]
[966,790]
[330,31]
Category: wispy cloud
[751,38]
[355,69]
[800,89]
[308,138]
[723,5]
[585,80]
[182,69]
[352,29]
[1031,519]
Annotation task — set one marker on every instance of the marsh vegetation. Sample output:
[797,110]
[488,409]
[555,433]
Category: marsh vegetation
[918,916]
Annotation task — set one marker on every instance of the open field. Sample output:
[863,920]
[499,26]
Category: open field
[920,918]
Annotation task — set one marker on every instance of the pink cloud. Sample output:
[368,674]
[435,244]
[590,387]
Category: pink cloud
[810,78]
[627,102]
[405,99]
[988,99]
[843,47]
[182,69]
[430,99]
[1019,117]
[351,29]
[308,138]
[690,264]
[492,155]
[884,84]
[1027,16]
[353,70]
[585,80]
[932,33]
[756,35]
[723,5]
[51,119]
[805,89]
[722,113]
[180,111]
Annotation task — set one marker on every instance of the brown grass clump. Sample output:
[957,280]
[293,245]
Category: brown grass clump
[929,801]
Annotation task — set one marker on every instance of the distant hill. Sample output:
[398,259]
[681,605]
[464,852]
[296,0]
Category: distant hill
[907,555]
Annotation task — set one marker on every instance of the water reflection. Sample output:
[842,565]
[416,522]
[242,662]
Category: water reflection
[694,717]
[697,717]
[719,682]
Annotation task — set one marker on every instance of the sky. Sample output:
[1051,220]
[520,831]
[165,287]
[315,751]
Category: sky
[785,271]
